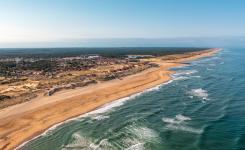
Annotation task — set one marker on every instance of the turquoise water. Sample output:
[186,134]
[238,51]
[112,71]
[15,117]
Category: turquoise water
[203,108]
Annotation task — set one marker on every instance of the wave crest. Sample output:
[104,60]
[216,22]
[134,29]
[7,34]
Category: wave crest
[183,74]
[201,93]
[179,123]
[176,120]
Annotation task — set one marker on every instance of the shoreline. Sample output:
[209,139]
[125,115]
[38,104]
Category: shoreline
[17,127]
[124,99]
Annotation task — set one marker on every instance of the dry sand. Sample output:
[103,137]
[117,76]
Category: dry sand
[24,121]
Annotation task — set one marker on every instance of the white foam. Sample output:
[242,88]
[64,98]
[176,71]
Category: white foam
[138,136]
[80,142]
[185,72]
[201,93]
[179,123]
[99,117]
[184,128]
[102,143]
[176,120]
[138,146]
[182,118]
[144,133]
[105,108]
[170,120]
[117,103]
[180,78]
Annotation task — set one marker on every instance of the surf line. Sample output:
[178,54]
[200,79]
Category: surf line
[102,109]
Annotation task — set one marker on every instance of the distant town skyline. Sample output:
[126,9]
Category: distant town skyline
[61,23]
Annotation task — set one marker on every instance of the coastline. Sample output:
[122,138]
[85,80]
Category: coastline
[32,118]
[95,111]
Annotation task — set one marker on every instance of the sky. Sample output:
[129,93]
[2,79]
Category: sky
[54,23]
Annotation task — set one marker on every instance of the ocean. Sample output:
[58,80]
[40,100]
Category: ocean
[202,108]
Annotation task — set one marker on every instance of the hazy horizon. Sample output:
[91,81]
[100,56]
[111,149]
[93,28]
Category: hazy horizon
[135,42]
[108,23]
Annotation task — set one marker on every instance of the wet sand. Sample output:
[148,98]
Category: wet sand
[24,121]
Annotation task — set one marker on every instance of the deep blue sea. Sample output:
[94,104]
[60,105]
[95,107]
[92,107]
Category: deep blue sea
[203,108]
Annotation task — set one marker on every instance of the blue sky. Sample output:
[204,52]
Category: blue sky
[80,22]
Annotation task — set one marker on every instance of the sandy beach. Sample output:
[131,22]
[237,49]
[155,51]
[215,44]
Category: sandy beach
[24,121]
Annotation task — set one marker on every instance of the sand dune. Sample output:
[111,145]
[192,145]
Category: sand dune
[24,121]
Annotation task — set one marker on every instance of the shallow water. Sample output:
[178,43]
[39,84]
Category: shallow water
[202,108]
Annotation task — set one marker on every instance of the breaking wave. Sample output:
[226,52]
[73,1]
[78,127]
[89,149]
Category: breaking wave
[117,103]
[138,146]
[93,114]
[184,74]
[144,133]
[99,117]
[201,93]
[81,142]
[132,137]
[137,136]
[184,128]
[176,120]
[179,123]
